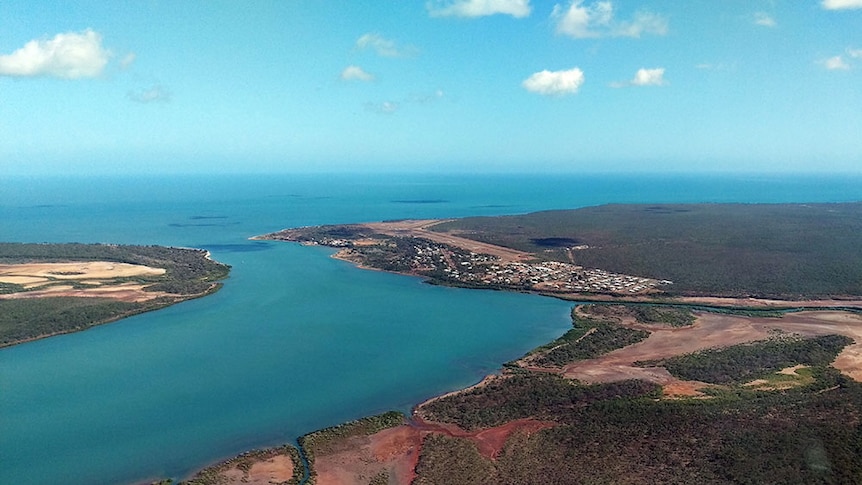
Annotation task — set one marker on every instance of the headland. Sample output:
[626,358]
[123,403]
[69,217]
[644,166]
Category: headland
[723,344]
[52,289]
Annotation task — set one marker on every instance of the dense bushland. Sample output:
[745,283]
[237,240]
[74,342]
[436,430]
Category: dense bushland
[741,363]
[537,395]
[26,318]
[762,250]
[810,434]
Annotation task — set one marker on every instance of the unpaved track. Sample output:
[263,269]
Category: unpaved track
[419,229]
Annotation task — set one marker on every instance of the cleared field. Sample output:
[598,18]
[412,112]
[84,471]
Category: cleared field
[712,330]
[88,279]
[50,289]
[391,455]
[75,271]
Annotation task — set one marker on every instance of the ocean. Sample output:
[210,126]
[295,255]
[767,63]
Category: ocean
[296,340]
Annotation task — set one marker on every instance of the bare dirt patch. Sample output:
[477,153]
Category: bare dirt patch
[129,292]
[395,451]
[678,389]
[270,467]
[78,270]
[712,330]
[26,281]
[98,278]
[277,469]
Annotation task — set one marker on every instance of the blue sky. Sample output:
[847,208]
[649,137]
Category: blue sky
[430,86]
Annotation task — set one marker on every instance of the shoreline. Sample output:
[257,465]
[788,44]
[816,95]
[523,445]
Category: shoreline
[420,229]
[706,303]
[89,285]
[215,287]
[716,302]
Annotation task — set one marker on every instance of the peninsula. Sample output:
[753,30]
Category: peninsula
[722,344]
[51,289]
[743,255]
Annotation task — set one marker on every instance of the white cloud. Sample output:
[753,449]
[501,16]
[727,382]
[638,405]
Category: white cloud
[597,20]
[355,73]
[479,8]
[383,46]
[841,4]
[555,83]
[152,94]
[764,19]
[649,77]
[855,53]
[69,56]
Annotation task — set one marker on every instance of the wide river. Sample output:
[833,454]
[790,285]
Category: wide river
[295,341]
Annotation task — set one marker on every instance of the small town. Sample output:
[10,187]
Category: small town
[450,264]
[546,276]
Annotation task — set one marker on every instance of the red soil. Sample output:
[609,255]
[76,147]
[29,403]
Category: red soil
[396,450]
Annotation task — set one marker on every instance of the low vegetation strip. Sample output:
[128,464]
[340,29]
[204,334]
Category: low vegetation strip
[577,345]
[646,314]
[589,338]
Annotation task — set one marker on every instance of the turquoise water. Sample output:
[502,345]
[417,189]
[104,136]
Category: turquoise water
[296,340]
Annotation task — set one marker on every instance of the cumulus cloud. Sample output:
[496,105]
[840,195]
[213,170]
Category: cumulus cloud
[597,20]
[69,55]
[764,20]
[649,77]
[841,4]
[479,8]
[644,77]
[855,53]
[383,46]
[152,94]
[355,73]
[555,83]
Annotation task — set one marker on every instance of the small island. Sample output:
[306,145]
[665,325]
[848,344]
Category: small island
[52,289]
